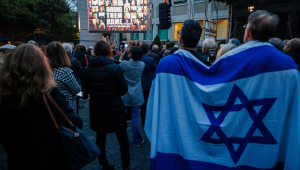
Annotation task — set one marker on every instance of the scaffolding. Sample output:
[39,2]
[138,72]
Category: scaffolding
[211,22]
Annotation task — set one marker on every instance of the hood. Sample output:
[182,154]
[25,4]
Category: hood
[101,61]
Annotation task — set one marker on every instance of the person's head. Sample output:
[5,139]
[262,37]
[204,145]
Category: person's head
[150,47]
[44,49]
[133,2]
[225,48]
[17,43]
[135,53]
[261,26]
[208,43]
[68,47]
[199,46]
[6,49]
[31,42]
[172,51]
[135,43]
[190,34]
[145,48]
[277,42]
[57,55]
[102,48]
[113,45]
[293,44]
[168,45]
[166,53]
[155,48]
[234,41]
[26,73]
[140,42]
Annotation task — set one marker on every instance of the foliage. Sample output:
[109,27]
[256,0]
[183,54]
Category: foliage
[172,43]
[157,41]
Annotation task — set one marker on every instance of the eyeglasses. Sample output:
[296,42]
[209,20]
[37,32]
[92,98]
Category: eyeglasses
[179,32]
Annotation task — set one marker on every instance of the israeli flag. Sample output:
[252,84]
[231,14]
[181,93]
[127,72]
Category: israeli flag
[243,112]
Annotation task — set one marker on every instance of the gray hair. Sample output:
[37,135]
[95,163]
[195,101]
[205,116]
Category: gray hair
[155,47]
[209,43]
[68,47]
[225,49]
[276,42]
[234,41]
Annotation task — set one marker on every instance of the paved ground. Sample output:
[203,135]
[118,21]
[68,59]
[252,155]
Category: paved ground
[139,155]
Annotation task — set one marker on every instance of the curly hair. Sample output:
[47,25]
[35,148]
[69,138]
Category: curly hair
[26,73]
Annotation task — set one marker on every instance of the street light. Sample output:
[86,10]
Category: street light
[251,8]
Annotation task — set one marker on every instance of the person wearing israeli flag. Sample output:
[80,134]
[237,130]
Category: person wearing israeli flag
[240,113]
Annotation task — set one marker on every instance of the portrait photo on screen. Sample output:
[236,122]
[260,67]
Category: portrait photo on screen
[94,8]
[101,25]
[127,2]
[102,9]
[139,8]
[133,3]
[140,15]
[95,2]
[120,3]
[107,2]
[139,2]
[114,2]
[101,2]
[101,15]
[133,15]
[133,9]
[145,2]
[127,15]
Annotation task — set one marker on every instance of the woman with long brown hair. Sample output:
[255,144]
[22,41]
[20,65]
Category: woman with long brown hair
[27,132]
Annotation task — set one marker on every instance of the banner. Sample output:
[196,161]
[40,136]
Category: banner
[117,15]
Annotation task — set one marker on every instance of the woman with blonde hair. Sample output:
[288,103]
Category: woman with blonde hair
[224,50]
[27,132]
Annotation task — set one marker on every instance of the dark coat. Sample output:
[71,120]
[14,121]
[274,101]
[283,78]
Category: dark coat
[154,55]
[205,55]
[125,57]
[79,55]
[77,69]
[30,137]
[105,82]
[295,55]
[147,76]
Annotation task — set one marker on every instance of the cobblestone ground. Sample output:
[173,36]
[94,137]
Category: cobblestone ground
[139,155]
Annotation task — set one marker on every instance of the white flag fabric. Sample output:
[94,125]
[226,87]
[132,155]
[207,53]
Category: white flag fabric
[243,112]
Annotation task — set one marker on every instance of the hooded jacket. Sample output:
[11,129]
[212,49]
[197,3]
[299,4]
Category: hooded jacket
[105,82]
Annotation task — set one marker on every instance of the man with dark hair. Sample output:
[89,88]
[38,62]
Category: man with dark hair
[276,42]
[232,115]
[150,67]
[292,48]
[153,53]
[168,46]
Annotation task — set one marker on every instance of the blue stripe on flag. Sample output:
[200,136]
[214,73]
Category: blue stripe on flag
[170,161]
[237,66]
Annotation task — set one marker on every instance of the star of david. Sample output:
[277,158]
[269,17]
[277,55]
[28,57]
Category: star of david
[257,119]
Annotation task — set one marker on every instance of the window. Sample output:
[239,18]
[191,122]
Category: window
[134,36]
[177,27]
[163,33]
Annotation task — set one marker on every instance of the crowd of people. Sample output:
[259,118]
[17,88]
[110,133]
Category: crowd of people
[117,84]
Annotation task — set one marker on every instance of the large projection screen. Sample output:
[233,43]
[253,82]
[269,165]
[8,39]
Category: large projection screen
[118,15]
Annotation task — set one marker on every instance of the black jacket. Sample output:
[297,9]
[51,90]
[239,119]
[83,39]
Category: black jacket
[154,55]
[76,68]
[149,70]
[79,55]
[105,82]
[30,137]
[295,55]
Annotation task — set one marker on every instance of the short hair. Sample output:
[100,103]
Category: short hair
[136,53]
[102,48]
[172,51]
[155,47]
[209,43]
[80,47]
[68,47]
[234,41]
[191,32]
[145,48]
[168,45]
[277,42]
[31,42]
[135,43]
[57,55]
[262,25]
[295,44]
[166,53]
[225,49]
[151,45]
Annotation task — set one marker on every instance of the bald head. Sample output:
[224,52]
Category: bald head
[208,44]
[155,47]
[293,44]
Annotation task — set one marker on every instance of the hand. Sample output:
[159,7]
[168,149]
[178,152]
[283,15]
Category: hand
[121,55]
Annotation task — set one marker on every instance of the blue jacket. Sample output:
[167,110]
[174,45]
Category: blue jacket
[147,76]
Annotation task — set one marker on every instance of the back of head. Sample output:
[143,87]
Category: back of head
[136,53]
[26,72]
[262,25]
[168,45]
[276,42]
[191,32]
[155,47]
[209,43]
[166,53]
[295,44]
[135,43]
[234,41]
[172,51]
[57,55]
[225,49]
[31,42]
[102,48]
[145,48]
[68,47]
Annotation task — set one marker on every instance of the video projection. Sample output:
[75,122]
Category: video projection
[118,15]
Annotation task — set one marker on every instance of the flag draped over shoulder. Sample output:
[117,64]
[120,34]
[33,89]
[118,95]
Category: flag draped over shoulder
[243,112]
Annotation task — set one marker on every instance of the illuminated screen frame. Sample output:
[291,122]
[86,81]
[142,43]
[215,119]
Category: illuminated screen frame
[124,16]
